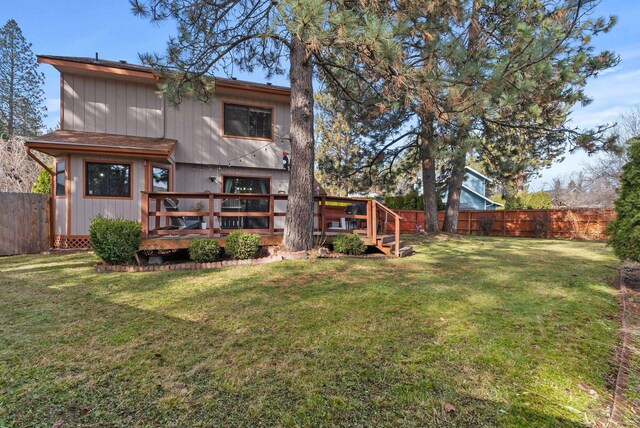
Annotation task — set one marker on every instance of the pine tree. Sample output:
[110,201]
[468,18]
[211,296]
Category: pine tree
[22,107]
[624,231]
[273,35]
[475,71]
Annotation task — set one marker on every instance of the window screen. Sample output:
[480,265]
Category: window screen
[246,121]
[60,179]
[108,179]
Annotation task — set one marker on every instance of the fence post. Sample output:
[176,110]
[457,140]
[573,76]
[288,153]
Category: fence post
[504,222]
[469,221]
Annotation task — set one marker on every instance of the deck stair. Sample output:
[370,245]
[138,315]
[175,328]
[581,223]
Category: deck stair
[386,244]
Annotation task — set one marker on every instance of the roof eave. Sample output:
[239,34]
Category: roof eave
[51,147]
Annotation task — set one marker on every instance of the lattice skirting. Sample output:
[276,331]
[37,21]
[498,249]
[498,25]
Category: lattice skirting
[71,242]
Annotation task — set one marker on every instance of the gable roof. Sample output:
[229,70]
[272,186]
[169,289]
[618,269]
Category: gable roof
[124,68]
[470,190]
[57,142]
[479,174]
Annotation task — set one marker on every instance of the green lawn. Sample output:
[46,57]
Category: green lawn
[503,330]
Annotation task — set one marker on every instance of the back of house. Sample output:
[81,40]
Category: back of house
[119,138]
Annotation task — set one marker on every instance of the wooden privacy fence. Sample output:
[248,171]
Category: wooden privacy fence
[560,223]
[24,223]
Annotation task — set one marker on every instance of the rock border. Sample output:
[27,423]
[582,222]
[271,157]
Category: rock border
[103,267]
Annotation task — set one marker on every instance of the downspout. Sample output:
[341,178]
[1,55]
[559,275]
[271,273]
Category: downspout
[35,158]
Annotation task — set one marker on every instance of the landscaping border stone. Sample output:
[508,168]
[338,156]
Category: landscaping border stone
[102,267]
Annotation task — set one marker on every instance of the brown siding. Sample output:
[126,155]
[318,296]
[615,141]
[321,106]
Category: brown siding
[128,108]
[24,224]
[84,209]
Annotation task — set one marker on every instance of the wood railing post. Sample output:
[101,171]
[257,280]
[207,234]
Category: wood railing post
[272,217]
[374,222]
[369,219]
[144,218]
[211,207]
[158,208]
[397,236]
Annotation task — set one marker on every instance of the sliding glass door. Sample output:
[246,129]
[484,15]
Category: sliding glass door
[246,185]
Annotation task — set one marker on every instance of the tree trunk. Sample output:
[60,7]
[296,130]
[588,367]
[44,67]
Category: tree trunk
[454,191]
[428,158]
[298,229]
[520,184]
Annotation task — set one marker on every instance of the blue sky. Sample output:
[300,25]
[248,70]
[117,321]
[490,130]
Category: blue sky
[81,28]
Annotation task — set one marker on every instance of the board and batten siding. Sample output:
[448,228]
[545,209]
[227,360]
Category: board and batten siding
[95,104]
[84,209]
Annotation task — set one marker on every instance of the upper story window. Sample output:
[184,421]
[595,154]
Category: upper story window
[104,179]
[248,121]
[60,179]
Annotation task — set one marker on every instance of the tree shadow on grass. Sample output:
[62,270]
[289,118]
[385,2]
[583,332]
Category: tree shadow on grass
[334,342]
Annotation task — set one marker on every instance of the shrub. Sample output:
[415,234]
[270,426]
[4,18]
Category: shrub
[624,231]
[485,224]
[529,201]
[541,225]
[114,240]
[203,250]
[348,244]
[42,183]
[242,245]
[410,201]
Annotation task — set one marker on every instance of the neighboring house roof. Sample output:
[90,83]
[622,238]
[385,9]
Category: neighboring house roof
[470,190]
[140,71]
[77,141]
[479,174]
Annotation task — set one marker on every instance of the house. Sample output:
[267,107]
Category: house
[182,172]
[118,137]
[473,193]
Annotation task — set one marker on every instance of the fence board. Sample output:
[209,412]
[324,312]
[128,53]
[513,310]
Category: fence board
[568,223]
[24,223]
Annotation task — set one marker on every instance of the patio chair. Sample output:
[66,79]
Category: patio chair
[177,223]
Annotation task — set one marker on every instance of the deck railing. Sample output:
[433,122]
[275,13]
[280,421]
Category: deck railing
[218,214]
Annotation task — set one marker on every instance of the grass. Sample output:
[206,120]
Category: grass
[468,332]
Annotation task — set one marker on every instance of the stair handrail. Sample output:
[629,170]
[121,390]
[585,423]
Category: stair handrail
[397,218]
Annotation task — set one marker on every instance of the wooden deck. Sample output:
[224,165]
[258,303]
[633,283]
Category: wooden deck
[218,214]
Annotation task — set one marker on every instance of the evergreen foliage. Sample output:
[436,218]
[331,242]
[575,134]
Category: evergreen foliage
[242,35]
[527,201]
[203,250]
[242,245]
[624,231]
[409,201]
[22,108]
[349,243]
[495,79]
[43,183]
[115,240]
